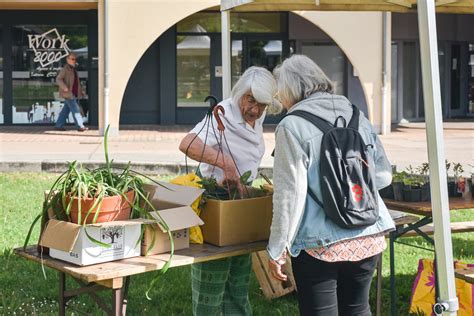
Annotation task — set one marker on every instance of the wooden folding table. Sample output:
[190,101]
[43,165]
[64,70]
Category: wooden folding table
[115,275]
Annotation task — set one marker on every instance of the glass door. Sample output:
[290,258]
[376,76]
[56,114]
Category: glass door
[470,89]
[193,70]
[264,52]
[38,53]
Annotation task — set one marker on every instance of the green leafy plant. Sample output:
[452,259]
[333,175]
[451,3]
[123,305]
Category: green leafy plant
[213,190]
[424,169]
[78,183]
[448,166]
[414,177]
[458,170]
[399,176]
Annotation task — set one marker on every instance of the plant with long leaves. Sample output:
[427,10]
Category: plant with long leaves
[78,183]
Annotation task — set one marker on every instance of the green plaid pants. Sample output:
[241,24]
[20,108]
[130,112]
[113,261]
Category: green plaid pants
[220,287]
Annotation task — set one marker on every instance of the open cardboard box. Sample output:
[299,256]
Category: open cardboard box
[173,204]
[69,242]
[232,222]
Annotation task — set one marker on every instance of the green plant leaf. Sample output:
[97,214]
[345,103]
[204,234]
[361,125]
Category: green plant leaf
[95,241]
[244,179]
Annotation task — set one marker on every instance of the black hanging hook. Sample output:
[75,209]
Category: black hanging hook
[212,102]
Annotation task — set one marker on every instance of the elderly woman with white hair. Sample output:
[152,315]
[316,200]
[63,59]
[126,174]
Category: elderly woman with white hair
[333,266]
[220,287]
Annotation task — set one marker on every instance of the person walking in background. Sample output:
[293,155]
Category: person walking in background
[220,287]
[71,90]
[333,266]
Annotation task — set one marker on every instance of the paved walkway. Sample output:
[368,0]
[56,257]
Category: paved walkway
[37,148]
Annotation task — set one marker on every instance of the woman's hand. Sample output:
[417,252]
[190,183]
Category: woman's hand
[231,176]
[277,268]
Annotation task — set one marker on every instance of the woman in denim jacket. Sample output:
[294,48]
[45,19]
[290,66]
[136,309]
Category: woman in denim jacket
[333,266]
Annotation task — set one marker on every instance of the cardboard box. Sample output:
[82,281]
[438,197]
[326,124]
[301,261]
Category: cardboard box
[237,221]
[69,242]
[173,205]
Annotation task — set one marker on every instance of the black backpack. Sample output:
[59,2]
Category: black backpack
[346,172]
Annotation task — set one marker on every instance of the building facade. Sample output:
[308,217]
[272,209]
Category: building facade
[164,58]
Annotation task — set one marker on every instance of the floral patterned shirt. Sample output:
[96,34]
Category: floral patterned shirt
[350,250]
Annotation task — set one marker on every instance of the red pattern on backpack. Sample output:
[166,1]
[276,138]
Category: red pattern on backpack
[357,191]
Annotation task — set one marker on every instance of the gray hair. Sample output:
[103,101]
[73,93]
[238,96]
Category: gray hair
[260,82]
[298,77]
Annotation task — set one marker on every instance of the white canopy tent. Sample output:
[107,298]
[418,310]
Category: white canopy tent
[426,9]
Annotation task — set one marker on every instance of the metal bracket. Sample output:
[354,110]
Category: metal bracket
[446,306]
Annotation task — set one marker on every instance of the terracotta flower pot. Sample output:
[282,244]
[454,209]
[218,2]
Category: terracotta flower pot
[113,208]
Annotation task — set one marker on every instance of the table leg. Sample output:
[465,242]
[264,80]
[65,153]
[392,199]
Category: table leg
[378,295]
[393,292]
[62,297]
[393,236]
[125,296]
[117,302]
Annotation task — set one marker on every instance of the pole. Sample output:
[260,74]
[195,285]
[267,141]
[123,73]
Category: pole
[386,54]
[447,300]
[106,69]
[226,71]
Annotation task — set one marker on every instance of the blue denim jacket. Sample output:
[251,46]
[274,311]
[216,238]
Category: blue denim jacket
[299,222]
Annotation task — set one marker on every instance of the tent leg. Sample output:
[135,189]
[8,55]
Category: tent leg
[447,300]
[226,53]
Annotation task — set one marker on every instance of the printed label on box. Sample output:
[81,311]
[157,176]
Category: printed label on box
[114,236]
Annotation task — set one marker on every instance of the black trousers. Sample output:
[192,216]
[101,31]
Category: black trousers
[333,288]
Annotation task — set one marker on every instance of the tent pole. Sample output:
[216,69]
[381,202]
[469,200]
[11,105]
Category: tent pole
[447,300]
[226,54]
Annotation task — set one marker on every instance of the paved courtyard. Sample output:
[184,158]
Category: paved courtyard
[22,147]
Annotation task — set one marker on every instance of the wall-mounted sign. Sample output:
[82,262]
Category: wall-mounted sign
[49,47]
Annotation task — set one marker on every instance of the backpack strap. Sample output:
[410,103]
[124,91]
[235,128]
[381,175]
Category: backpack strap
[354,122]
[321,124]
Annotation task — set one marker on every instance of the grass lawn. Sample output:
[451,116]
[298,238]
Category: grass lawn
[23,290]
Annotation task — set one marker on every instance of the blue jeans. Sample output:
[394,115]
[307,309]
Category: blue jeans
[70,105]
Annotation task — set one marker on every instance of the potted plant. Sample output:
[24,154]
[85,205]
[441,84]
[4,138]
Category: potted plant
[415,184]
[399,178]
[84,196]
[458,170]
[424,171]
[451,182]
[472,179]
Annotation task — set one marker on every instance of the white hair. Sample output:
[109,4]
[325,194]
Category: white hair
[260,82]
[298,77]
